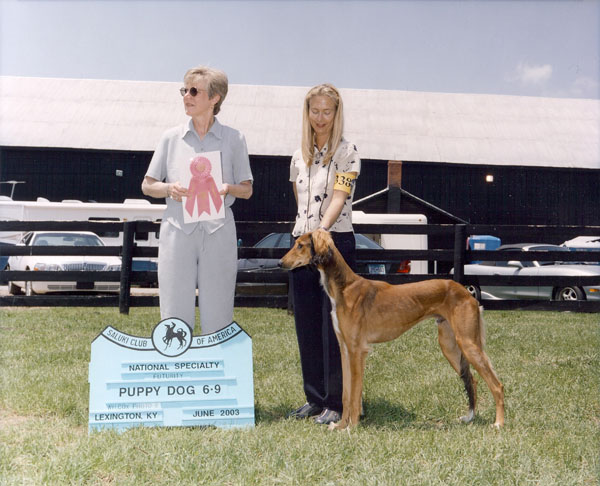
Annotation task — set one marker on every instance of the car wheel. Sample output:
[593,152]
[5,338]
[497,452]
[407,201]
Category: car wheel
[474,290]
[569,293]
[12,288]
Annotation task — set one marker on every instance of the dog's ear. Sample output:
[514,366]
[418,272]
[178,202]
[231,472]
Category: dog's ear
[321,244]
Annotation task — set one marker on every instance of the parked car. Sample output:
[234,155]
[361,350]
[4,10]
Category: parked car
[65,263]
[285,240]
[534,268]
[584,243]
[3,258]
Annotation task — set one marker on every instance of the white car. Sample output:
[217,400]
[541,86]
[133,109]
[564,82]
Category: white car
[534,269]
[64,262]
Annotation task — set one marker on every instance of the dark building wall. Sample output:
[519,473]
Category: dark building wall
[518,195]
[87,175]
[91,175]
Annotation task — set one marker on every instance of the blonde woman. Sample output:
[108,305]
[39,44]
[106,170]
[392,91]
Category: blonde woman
[200,255]
[323,174]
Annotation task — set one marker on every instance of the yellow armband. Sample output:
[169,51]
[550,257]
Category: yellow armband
[344,181]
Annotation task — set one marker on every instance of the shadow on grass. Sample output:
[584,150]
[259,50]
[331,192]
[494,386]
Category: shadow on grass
[377,413]
[272,414]
[381,413]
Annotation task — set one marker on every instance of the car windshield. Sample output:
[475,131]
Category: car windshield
[523,261]
[285,240]
[276,240]
[548,248]
[66,239]
[364,243]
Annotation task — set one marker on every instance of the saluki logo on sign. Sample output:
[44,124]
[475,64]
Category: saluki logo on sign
[172,337]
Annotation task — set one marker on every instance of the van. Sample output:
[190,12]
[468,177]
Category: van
[397,241]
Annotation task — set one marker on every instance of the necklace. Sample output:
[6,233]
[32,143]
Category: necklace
[310,193]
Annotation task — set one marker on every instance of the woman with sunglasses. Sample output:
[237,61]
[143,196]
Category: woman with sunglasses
[323,173]
[203,254]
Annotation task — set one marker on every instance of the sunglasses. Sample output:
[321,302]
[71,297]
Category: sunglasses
[192,91]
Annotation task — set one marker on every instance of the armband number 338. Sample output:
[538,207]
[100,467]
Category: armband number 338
[344,181]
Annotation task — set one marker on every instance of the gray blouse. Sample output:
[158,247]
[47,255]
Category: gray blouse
[178,145]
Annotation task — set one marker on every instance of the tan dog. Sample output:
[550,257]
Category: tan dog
[371,311]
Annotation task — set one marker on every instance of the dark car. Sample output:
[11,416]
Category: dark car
[285,240]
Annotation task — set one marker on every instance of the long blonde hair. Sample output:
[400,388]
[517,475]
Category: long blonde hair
[308,134]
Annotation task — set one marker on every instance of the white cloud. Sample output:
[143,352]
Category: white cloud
[533,74]
[584,86]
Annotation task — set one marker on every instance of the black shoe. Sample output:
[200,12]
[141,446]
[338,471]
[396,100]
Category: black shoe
[306,411]
[328,416]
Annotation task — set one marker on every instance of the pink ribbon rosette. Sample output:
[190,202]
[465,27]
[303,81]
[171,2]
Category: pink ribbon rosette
[201,186]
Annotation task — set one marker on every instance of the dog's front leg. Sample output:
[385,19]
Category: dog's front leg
[358,362]
[346,384]
[346,376]
[353,385]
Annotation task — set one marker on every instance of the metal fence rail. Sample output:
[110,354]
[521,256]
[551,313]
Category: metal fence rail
[458,256]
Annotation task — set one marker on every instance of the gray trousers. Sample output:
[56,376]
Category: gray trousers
[198,260]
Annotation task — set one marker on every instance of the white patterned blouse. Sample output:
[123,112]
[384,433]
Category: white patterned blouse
[315,185]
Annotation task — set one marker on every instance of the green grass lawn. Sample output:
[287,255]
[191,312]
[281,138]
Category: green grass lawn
[548,362]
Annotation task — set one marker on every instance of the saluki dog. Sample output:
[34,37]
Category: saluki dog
[371,311]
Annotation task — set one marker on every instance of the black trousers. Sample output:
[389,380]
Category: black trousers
[319,350]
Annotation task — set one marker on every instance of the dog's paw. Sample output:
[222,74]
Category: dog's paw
[341,425]
[468,418]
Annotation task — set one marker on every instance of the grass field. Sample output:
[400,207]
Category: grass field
[548,362]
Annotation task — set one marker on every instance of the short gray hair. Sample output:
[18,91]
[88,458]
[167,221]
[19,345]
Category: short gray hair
[216,80]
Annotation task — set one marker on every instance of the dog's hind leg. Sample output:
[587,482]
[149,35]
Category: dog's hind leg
[455,357]
[471,344]
[480,361]
[470,388]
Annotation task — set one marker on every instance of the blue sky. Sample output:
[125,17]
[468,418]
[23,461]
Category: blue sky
[530,48]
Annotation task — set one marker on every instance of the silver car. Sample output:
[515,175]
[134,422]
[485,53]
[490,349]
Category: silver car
[64,263]
[534,269]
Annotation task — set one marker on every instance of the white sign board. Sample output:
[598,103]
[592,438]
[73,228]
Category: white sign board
[171,378]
